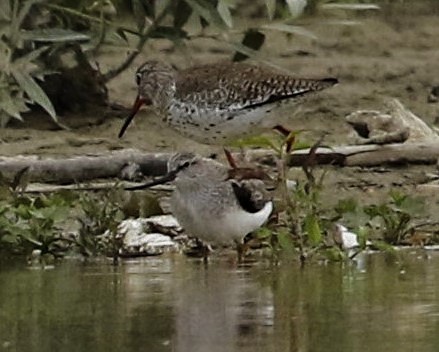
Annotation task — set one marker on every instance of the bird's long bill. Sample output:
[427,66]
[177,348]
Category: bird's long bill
[170,176]
[136,106]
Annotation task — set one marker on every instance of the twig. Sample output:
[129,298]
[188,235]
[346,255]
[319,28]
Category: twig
[102,32]
[88,17]
[291,207]
[81,187]
[144,37]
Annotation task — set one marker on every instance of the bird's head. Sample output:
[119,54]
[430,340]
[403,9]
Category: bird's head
[156,86]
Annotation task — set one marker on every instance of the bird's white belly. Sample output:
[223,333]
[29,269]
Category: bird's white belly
[232,225]
[240,222]
[220,127]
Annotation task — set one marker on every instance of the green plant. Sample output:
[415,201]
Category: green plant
[305,227]
[99,218]
[33,223]
[22,48]
[394,219]
[303,224]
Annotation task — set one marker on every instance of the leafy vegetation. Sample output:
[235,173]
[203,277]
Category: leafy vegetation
[98,220]
[30,223]
[33,223]
[305,227]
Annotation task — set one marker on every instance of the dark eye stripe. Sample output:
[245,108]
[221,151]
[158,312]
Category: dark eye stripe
[138,78]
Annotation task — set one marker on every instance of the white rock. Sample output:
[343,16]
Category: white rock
[165,221]
[348,239]
[140,236]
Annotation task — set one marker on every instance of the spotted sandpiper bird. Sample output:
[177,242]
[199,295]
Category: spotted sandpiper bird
[218,103]
[215,203]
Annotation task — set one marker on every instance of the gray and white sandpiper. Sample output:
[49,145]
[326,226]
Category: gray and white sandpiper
[215,206]
[218,103]
[215,203]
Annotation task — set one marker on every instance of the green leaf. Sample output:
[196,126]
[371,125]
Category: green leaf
[413,205]
[5,11]
[34,92]
[285,240]
[334,254]
[29,58]
[10,238]
[54,35]
[341,23]
[182,13]
[296,7]
[350,7]
[363,233]
[256,141]
[290,29]
[13,106]
[139,14]
[168,32]
[263,233]
[157,7]
[207,11]
[383,246]
[300,145]
[24,11]
[120,32]
[223,8]
[17,19]
[349,205]
[312,227]
[271,8]
[251,43]
[32,240]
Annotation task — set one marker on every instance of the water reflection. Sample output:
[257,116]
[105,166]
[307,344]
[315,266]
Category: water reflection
[176,304]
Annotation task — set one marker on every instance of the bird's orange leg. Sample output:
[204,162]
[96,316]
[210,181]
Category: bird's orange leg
[241,249]
[290,137]
[230,159]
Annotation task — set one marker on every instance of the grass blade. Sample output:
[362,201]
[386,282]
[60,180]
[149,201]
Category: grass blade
[271,8]
[357,7]
[54,35]
[224,12]
[207,11]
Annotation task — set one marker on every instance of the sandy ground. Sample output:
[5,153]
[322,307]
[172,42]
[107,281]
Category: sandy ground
[391,54]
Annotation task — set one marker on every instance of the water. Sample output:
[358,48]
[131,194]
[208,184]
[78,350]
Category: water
[176,304]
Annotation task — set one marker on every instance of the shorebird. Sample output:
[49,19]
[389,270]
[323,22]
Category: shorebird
[214,203]
[218,103]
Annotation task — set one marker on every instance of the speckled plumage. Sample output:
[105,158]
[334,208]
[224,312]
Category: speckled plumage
[213,207]
[217,103]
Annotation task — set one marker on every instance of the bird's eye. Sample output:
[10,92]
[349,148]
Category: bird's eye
[138,78]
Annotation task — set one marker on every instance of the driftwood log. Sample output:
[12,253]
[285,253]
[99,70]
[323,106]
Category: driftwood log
[372,155]
[85,168]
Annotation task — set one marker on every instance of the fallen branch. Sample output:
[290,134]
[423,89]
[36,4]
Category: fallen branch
[82,168]
[362,155]
[81,187]
[90,167]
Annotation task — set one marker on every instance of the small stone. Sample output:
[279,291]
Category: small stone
[131,172]
[140,237]
[433,97]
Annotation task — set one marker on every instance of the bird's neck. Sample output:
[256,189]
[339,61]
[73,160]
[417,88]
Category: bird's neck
[164,96]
